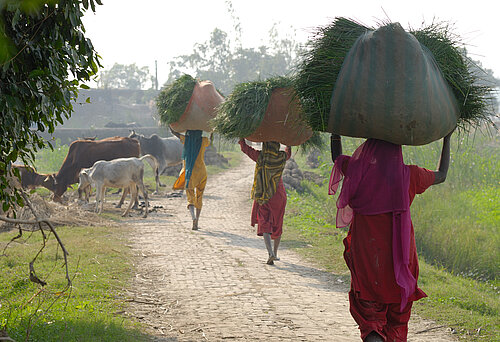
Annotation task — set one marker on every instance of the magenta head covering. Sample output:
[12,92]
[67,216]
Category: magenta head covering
[376,181]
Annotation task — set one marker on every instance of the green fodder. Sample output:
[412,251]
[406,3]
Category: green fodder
[467,81]
[243,110]
[322,61]
[172,100]
[315,141]
[320,66]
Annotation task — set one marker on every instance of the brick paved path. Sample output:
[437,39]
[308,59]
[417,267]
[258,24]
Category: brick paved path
[213,284]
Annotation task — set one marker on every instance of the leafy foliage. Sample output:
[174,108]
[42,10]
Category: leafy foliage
[44,58]
[174,98]
[242,112]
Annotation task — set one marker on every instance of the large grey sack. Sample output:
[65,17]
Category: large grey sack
[391,88]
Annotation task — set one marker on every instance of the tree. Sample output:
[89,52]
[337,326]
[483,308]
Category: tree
[44,60]
[216,60]
[125,77]
[227,63]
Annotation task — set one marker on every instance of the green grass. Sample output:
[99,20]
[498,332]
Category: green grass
[470,307]
[100,265]
[456,231]
[173,99]
[50,161]
[244,109]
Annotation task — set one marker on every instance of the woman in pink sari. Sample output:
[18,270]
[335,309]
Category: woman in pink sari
[377,191]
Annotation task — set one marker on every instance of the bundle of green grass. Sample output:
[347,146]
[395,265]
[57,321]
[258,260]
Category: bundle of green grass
[188,104]
[263,111]
[174,98]
[405,87]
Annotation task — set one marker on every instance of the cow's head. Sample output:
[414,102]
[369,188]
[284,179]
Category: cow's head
[132,134]
[49,182]
[57,186]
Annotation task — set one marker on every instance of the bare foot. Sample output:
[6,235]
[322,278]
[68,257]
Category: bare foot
[271,259]
[195,224]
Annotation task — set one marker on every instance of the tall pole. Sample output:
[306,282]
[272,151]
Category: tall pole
[156,75]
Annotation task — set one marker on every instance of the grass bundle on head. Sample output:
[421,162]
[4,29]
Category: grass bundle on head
[172,100]
[323,60]
[466,80]
[243,110]
[320,66]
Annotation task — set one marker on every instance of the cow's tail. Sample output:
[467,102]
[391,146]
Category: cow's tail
[152,161]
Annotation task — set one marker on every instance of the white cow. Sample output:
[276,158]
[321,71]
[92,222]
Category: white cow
[126,173]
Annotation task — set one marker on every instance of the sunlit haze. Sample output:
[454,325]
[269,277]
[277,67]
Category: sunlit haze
[127,31]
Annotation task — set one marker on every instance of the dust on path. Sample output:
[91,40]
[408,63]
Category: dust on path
[213,284]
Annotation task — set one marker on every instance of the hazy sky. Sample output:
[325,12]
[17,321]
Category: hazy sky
[142,31]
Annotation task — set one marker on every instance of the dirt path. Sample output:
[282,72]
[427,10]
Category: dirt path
[213,284]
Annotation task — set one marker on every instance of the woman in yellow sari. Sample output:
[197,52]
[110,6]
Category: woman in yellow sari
[193,176]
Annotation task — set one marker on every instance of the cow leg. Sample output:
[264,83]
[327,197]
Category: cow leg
[84,194]
[103,194]
[157,179]
[136,199]
[125,192]
[88,192]
[162,168]
[133,194]
[145,194]
[98,197]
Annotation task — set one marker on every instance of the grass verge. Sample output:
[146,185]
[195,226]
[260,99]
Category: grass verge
[92,310]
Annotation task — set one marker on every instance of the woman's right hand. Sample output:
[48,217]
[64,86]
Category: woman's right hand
[335,146]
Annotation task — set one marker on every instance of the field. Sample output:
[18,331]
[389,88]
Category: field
[456,229]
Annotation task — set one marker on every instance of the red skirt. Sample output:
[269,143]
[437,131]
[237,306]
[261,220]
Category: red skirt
[368,254]
[269,216]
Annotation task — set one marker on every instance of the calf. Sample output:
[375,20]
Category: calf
[124,173]
[85,189]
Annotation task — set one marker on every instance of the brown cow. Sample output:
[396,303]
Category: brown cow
[84,153]
[31,179]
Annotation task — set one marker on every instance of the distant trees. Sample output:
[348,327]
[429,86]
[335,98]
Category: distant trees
[125,77]
[218,61]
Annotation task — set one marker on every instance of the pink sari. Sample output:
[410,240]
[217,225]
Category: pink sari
[376,181]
